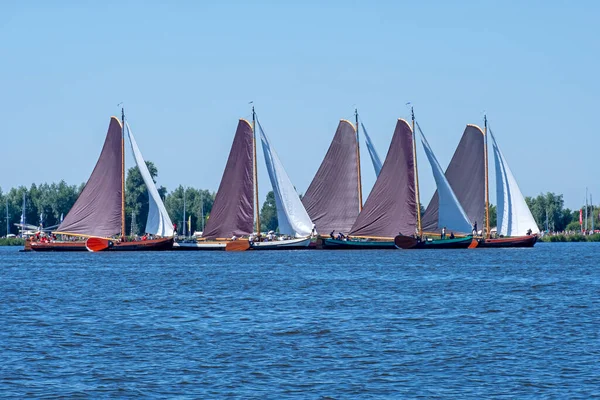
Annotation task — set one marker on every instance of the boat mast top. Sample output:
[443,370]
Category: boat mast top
[486,169]
[255,172]
[416,170]
[360,201]
[123,173]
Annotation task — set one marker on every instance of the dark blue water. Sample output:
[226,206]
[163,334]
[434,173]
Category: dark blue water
[311,324]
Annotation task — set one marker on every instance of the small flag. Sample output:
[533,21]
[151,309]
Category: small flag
[190,224]
[22,219]
[41,217]
[61,217]
[580,217]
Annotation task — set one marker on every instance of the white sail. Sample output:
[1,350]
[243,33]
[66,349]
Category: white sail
[372,152]
[514,216]
[451,213]
[158,222]
[291,214]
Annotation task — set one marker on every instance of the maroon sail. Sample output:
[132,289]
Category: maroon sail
[466,175]
[391,206]
[331,200]
[233,210]
[97,211]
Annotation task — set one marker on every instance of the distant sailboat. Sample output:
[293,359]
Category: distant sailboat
[515,223]
[99,212]
[235,208]
[292,217]
[450,213]
[232,214]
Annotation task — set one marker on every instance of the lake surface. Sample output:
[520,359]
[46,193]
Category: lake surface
[501,323]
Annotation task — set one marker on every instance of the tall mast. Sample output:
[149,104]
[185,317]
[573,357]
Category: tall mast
[586,209]
[418,198]
[487,188]
[255,172]
[360,202]
[592,213]
[123,173]
[7,224]
[183,224]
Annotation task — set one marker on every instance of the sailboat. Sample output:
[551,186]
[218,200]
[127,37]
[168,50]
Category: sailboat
[232,213]
[292,217]
[236,206]
[516,225]
[450,212]
[99,212]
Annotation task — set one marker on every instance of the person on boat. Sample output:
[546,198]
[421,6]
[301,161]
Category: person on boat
[144,238]
[331,235]
[451,235]
[528,231]
[475,228]
[174,228]
[443,235]
[313,231]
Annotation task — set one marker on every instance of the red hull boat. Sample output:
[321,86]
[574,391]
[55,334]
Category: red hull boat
[516,241]
[145,245]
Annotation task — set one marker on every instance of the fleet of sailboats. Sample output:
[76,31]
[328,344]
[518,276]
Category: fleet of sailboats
[390,218]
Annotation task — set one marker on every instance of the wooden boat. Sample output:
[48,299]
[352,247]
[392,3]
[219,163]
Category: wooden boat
[357,244]
[409,242]
[98,215]
[518,241]
[288,244]
[208,245]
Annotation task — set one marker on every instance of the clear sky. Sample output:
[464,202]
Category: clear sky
[187,70]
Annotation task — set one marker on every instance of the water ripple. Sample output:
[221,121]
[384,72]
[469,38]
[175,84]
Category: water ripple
[511,323]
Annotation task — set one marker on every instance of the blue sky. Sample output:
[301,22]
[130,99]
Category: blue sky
[186,72]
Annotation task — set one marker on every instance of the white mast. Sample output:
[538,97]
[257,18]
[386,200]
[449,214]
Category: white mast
[586,210]
[7,224]
[592,212]
[183,213]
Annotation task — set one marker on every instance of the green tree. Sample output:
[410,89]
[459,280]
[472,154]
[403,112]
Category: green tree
[136,197]
[198,204]
[550,207]
[268,214]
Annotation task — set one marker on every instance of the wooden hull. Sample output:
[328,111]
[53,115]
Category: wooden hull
[146,245]
[353,244]
[516,241]
[407,242]
[291,244]
[202,246]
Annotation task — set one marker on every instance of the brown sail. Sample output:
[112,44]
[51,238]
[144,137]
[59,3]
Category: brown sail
[233,210]
[391,205]
[97,211]
[466,175]
[331,200]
